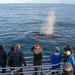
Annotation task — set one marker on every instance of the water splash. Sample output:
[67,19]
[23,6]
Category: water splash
[48,26]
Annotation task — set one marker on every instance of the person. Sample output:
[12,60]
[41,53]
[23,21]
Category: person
[11,50]
[67,69]
[3,58]
[16,59]
[56,58]
[37,51]
[66,48]
[71,60]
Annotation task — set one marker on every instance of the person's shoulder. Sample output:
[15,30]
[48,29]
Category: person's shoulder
[72,56]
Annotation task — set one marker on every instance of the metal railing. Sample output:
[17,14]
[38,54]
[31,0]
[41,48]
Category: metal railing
[30,70]
[46,67]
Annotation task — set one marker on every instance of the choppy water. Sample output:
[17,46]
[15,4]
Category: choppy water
[19,21]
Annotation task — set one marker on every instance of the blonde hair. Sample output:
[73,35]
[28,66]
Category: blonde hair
[57,49]
[68,53]
[18,46]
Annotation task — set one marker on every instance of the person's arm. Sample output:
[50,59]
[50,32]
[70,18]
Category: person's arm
[9,60]
[32,48]
[24,61]
[51,56]
[5,57]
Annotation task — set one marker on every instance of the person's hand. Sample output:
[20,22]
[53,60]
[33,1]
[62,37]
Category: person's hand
[63,51]
[27,66]
[8,67]
[19,68]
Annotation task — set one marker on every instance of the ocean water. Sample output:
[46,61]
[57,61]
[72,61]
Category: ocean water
[19,21]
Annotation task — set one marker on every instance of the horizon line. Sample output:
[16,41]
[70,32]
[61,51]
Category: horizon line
[37,3]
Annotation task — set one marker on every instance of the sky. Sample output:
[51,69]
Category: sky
[38,1]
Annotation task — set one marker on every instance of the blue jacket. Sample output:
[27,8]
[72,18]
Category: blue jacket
[72,61]
[56,58]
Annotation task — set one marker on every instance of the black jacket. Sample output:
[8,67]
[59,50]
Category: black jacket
[16,60]
[3,58]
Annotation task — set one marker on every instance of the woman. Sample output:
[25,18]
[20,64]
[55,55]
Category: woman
[16,59]
[71,60]
[67,48]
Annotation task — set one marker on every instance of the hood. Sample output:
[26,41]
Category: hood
[17,51]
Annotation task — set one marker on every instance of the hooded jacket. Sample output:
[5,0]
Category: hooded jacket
[71,60]
[16,59]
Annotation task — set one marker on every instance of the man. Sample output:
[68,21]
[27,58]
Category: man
[37,50]
[56,58]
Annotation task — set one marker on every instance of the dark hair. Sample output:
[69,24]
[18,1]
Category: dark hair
[37,43]
[1,47]
[12,48]
[68,47]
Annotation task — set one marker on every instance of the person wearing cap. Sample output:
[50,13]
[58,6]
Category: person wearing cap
[37,51]
[16,59]
[56,58]
[67,69]
[71,60]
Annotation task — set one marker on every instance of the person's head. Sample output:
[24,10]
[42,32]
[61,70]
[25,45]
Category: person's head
[37,45]
[18,46]
[67,69]
[1,47]
[68,47]
[57,49]
[12,48]
[68,53]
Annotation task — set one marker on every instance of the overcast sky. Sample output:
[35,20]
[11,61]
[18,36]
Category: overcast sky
[38,1]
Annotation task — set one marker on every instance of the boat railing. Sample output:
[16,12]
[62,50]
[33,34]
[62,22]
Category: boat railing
[43,68]
[30,59]
[46,67]
[55,72]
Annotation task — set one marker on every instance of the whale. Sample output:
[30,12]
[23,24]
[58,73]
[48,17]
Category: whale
[49,36]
